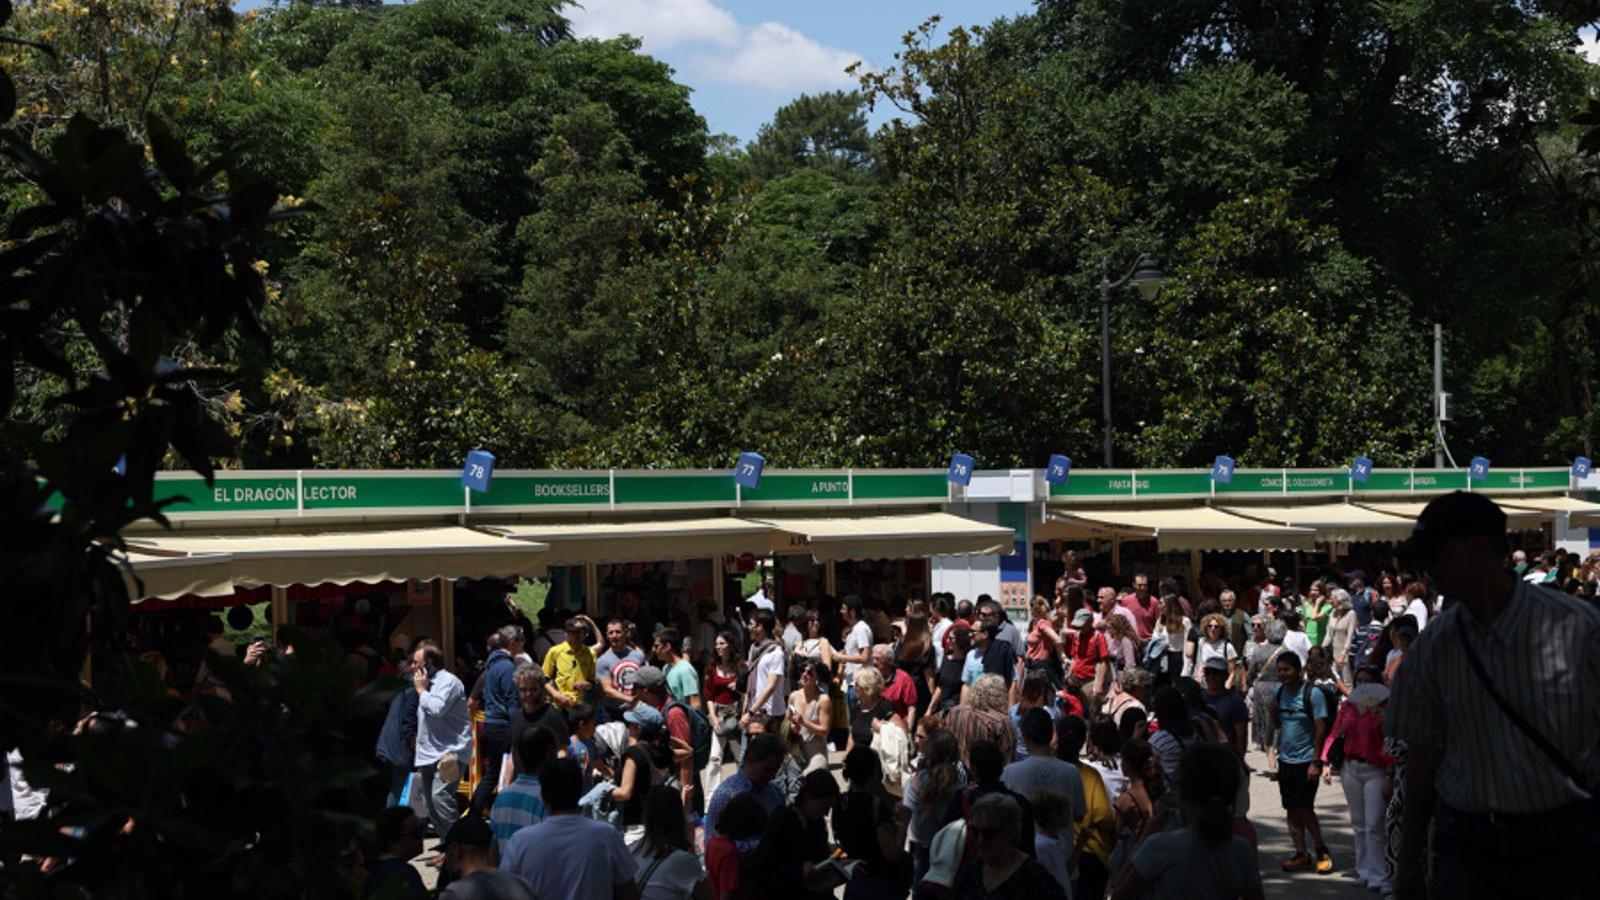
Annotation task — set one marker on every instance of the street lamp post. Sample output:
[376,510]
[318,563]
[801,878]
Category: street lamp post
[1147,279]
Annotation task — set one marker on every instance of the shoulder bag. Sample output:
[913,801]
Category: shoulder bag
[1562,764]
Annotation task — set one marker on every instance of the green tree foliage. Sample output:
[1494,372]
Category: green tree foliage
[816,131]
[609,284]
[132,254]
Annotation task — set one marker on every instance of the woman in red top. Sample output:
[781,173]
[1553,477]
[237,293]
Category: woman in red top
[1367,772]
[1043,651]
[722,705]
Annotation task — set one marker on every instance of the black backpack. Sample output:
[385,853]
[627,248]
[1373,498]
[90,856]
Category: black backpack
[699,733]
[1330,699]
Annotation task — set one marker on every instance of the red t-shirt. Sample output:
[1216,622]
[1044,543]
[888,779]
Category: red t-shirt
[1144,615]
[901,693]
[1088,651]
[722,866]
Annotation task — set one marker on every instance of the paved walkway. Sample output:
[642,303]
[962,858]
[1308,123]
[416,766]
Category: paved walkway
[1266,812]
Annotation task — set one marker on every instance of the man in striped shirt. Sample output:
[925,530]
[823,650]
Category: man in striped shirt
[1505,784]
[522,802]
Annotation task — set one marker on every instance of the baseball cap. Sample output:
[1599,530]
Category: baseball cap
[1356,575]
[1216,664]
[471,831]
[944,854]
[1448,517]
[644,716]
[648,678]
[1082,617]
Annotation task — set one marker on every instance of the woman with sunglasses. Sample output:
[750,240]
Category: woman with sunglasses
[1214,644]
[1002,871]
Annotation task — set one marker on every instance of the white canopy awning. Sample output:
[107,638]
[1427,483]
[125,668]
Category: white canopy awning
[1516,519]
[340,557]
[605,542]
[1333,522]
[170,577]
[912,536]
[1580,513]
[1191,528]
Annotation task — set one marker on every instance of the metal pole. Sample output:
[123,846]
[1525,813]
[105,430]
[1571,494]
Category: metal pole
[1105,353]
[1438,394]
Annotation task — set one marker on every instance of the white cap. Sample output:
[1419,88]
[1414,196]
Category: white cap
[944,854]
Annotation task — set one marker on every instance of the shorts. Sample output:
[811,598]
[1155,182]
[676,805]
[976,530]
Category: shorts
[1298,790]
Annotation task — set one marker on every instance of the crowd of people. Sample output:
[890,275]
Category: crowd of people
[1057,755]
[1094,747]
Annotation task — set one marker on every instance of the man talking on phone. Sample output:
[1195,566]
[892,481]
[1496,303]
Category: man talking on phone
[444,734]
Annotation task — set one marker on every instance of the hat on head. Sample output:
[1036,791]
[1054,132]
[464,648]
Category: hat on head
[1216,664]
[649,678]
[1356,575]
[471,831]
[645,716]
[1082,617]
[1451,516]
[944,854]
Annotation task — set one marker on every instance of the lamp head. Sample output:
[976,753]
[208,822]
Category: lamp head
[1148,278]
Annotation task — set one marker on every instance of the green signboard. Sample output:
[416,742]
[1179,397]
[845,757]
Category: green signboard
[558,492]
[275,493]
[820,488]
[1146,484]
[314,493]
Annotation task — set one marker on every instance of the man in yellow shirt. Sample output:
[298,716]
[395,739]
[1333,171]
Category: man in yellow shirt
[569,666]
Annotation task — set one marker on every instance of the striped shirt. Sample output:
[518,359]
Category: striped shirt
[519,805]
[1542,654]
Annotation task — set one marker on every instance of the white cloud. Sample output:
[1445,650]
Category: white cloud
[774,57]
[659,24]
[770,56]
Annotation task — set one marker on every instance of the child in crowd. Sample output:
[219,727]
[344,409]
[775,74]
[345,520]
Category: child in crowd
[581,747]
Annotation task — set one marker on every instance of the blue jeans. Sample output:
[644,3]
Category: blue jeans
[493,743]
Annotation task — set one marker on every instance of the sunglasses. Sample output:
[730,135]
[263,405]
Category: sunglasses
[984,832]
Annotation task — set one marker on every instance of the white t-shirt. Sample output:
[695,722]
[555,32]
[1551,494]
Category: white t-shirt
[1420,610]
[1208,650]
[1299,643]
[760,601]
[591,853]
[1179,865]
[673,879]
[1115,781]
[857,642]
[769,666]
[939,631]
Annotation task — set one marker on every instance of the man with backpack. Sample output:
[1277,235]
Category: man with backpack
[1300,714]
[688,731]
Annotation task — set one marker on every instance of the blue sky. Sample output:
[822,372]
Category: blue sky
[746,58]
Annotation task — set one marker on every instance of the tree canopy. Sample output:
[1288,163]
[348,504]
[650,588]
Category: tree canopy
[519,240]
